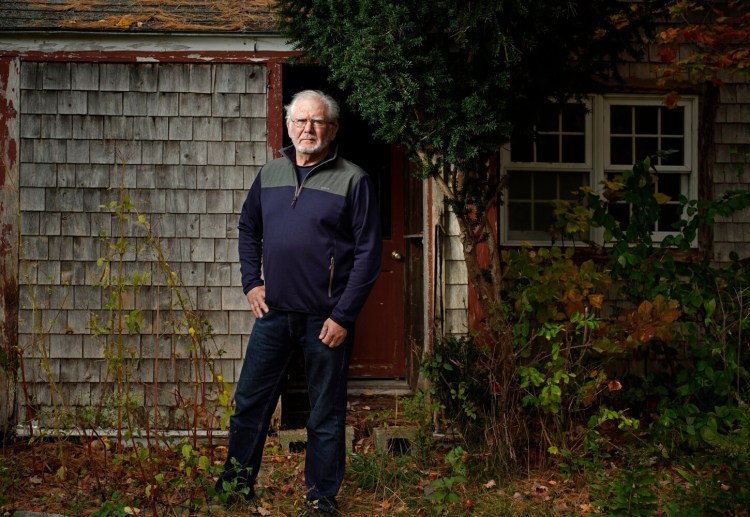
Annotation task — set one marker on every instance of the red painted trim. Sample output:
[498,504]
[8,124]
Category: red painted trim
[149,56]
[275,114]
[8,144]
[476,315]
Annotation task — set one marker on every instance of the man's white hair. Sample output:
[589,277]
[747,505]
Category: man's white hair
[332,107]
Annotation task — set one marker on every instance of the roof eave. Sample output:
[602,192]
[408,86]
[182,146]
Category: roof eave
[151,41]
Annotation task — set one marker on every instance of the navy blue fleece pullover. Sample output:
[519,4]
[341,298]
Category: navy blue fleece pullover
[319,243]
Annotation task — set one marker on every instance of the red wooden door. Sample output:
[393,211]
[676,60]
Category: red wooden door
[379,334]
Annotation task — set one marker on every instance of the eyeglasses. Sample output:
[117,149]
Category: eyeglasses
[302,122]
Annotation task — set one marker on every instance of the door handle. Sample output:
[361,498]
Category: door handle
[395,255]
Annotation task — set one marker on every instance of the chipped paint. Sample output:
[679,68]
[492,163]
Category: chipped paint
[9,295]
[8,116]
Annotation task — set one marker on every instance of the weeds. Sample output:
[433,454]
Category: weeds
[705,483]
[444,490]
[380,472]
[7,480]
[115,506]
[661,366]
[128,397]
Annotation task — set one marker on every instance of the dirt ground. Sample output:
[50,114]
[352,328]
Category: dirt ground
[78,476]
[92,477]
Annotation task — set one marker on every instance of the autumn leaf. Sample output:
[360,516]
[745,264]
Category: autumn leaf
[124,22]
[652,319]
[671,99]
[667,55]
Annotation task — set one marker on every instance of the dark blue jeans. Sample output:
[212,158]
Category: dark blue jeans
[274,342]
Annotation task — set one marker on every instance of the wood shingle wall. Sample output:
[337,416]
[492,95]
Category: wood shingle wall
[731,166]
[183,142]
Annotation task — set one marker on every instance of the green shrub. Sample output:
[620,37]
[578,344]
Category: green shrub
[669,348]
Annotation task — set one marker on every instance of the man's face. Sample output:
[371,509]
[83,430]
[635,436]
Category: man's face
[311,138]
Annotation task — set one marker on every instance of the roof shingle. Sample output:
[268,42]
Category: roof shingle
[139,15]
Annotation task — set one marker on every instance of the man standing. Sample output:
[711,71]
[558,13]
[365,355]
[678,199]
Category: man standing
[311,222]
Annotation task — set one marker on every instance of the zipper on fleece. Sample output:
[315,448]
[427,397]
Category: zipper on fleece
[330,277]
[297,192]
[298,189]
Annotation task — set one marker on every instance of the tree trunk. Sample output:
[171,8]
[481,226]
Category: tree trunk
[503,427]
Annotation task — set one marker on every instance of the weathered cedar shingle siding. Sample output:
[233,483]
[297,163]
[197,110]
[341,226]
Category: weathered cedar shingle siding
[185,142]
[730,169]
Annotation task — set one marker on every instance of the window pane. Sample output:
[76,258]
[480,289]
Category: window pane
[621,152]
[570,183]
[621,213]
[519,216]
[522,149]
[547,148]
[620,120]
[543,217]
[645,147]
[574,118]
[545,186]
[669,184]
[549,120]
[673,144]
[647,120]
[573,148]
[669,214]
[673,121]
[519,185]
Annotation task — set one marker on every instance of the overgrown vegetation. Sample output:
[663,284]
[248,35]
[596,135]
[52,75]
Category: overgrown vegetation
[637,357]
[631,393]
[124,432]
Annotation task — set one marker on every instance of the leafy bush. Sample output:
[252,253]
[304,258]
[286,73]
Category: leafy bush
[669,346]
[696,380]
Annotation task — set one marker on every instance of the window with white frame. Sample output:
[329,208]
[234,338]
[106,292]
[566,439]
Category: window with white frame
[582,144]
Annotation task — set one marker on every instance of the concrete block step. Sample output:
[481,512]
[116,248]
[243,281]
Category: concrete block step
[291,439]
